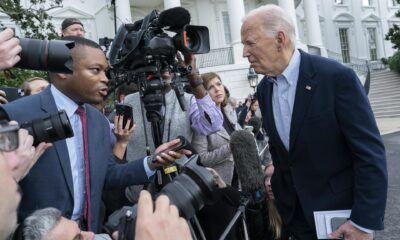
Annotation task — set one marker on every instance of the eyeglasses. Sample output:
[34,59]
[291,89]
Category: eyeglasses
[9,140]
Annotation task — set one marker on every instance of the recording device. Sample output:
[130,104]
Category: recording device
[251,177]
[146,42]
[182,144]
[51,128]
[45,55]
[12,93]
[143,49]
[248,165]
[189,192]
[126,111]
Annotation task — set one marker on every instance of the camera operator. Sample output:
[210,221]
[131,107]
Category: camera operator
[9,49]
[71,175]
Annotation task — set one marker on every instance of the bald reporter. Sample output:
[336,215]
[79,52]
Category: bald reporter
[9,49]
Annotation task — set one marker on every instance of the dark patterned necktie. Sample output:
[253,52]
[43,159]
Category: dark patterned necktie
[86,206]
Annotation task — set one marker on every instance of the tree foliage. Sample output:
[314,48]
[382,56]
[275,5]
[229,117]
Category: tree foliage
[393,36]
[33,20]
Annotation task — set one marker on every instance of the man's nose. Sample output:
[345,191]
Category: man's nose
[245,52]
[104,77]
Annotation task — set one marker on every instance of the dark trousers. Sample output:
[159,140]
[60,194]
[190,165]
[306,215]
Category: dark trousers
[298,228]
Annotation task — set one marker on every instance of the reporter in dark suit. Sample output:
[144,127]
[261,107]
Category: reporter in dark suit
[58,178]
[325,145]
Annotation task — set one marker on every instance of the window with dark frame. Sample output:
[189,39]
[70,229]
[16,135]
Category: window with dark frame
[344,44]
[372,44]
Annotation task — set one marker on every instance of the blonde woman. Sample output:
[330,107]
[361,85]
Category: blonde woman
[275,220]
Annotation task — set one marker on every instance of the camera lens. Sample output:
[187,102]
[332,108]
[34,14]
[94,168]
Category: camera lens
[50,129]
[190,190]
[45,55]
[192,41]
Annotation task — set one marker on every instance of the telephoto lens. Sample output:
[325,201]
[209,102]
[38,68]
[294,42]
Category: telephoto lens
[46,55]
[190,191]
[49,129]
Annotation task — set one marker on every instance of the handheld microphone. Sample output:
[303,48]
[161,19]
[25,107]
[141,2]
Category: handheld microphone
[174,18]
[248,165]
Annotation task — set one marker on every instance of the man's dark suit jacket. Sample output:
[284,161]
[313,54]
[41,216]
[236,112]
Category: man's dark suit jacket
[49,183]
[336,159]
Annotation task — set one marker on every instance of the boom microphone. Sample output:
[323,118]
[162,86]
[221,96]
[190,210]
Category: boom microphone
[248,165]
[250,174]
[174,18]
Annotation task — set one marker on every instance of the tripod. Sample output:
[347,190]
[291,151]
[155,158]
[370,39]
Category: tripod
[153,101]
[240,213]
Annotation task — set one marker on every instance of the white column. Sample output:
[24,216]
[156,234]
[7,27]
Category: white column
[123,12]
[236,14]
[289,7]
[314,36]
[171,4]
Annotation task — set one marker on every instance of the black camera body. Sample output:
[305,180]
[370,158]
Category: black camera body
[146,42]
[190,191]
[50,128]
[143,49]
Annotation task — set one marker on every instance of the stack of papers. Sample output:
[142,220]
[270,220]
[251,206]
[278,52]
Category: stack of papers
[323,221]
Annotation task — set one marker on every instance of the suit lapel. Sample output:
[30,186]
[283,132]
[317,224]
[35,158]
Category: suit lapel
[48,105]
[306,87]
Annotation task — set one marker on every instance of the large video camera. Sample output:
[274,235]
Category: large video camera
[190,191]
[140,51]
[144,45]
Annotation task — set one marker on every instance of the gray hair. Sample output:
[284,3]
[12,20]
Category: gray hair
[275,19]
[40,223]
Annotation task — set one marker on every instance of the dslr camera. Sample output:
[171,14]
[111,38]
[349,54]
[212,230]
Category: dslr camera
[41,55]
[190,191]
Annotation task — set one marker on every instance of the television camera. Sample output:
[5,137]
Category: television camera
[140,51]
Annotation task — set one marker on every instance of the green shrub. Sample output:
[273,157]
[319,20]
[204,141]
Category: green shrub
[394,62]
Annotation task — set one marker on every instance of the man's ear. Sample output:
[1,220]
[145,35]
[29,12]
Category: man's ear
[280,37]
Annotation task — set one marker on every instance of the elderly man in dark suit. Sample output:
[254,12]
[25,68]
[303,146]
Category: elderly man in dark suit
[325,145]
[70,176]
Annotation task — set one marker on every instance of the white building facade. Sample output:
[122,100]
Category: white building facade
[351,31]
